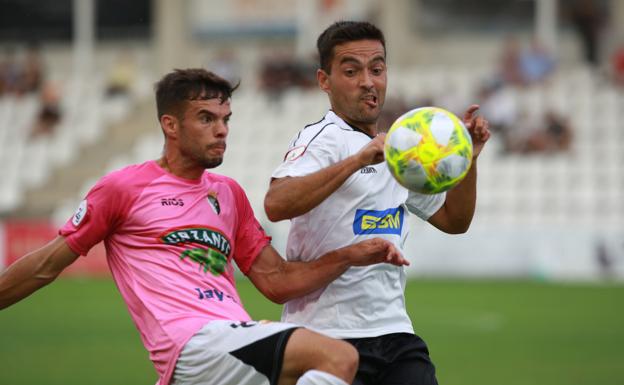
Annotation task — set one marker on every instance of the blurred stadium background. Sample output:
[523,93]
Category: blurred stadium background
[547,242]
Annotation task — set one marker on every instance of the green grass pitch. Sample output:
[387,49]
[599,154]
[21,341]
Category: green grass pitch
[479,332]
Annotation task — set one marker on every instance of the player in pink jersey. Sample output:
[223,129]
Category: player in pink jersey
[171,230]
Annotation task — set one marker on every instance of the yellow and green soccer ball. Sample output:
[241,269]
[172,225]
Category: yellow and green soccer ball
[428,150]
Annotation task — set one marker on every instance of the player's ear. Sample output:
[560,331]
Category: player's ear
[323,79]
[169,124]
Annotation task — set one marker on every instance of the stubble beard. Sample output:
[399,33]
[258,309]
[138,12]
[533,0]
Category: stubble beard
[199,157]
[212,162]
[367,117]
[209,162]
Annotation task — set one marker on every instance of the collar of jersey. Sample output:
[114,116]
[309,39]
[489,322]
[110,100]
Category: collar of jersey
[332,117]
[162,171]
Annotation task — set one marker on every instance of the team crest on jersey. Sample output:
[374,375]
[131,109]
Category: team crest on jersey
[294,153]
[214,202]
[388,221]
[210,249]
[80,214]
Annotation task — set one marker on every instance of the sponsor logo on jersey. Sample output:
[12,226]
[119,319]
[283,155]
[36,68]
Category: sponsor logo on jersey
[294,153]
[388,221]
[80,214]
[213,294]
[368,170]
[212,249]
[172,202]
[214,202]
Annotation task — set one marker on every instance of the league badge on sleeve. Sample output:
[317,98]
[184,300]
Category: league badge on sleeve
[294,153]
[80,213]
[214,202]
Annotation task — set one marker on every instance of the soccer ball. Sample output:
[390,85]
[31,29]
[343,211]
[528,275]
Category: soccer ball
[428,150]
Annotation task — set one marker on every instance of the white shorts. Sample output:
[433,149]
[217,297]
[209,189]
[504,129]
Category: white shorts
[233,353]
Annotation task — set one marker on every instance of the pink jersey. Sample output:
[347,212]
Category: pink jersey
[170,243]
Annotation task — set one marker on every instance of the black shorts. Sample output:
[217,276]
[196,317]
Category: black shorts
[393,359]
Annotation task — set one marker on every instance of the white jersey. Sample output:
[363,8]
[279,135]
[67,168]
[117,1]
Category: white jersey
[365,301]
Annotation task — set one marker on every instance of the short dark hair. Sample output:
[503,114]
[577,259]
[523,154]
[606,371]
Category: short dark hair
[343,32]
[183,85]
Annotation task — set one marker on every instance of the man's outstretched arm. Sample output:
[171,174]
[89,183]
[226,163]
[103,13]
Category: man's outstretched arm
[456,214]
[281,280]
[34,270]
[291,197]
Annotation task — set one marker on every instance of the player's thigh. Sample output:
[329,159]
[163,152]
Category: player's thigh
[233,353]
[307,350]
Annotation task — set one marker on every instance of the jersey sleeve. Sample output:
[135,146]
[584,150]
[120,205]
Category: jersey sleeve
[306,156]
[250,237]
[424,205]
[97,216]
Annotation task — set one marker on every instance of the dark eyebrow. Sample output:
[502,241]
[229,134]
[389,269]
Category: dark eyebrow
[204,111]
[378,58]
[211,114]
[349,59]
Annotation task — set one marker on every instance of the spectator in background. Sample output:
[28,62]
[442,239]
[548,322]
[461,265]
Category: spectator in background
[588,20]
[31,76]
[9,73]
[509,71]
[554,136]
[604,259]
[122,76]
[227,65]
[24,75]
[3,71]
[521,67]
[535,63]
[499,105]
[276,75]
[547,134]
[559,130]
[617,66]
[50,112]
[281,72]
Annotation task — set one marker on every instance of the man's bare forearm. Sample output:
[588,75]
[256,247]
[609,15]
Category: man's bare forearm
[281,281]
[293,196]
[459,208]
[33,271]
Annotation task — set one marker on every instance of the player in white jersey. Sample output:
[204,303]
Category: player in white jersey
[335,189]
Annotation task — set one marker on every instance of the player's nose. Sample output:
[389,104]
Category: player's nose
[221,129]
[366,80]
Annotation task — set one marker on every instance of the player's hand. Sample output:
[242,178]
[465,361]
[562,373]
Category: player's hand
[373,152]
[376,250]
[478,127]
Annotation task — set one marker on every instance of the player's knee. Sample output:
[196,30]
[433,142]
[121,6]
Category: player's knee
[352,360]
[307,350]
[343,360]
